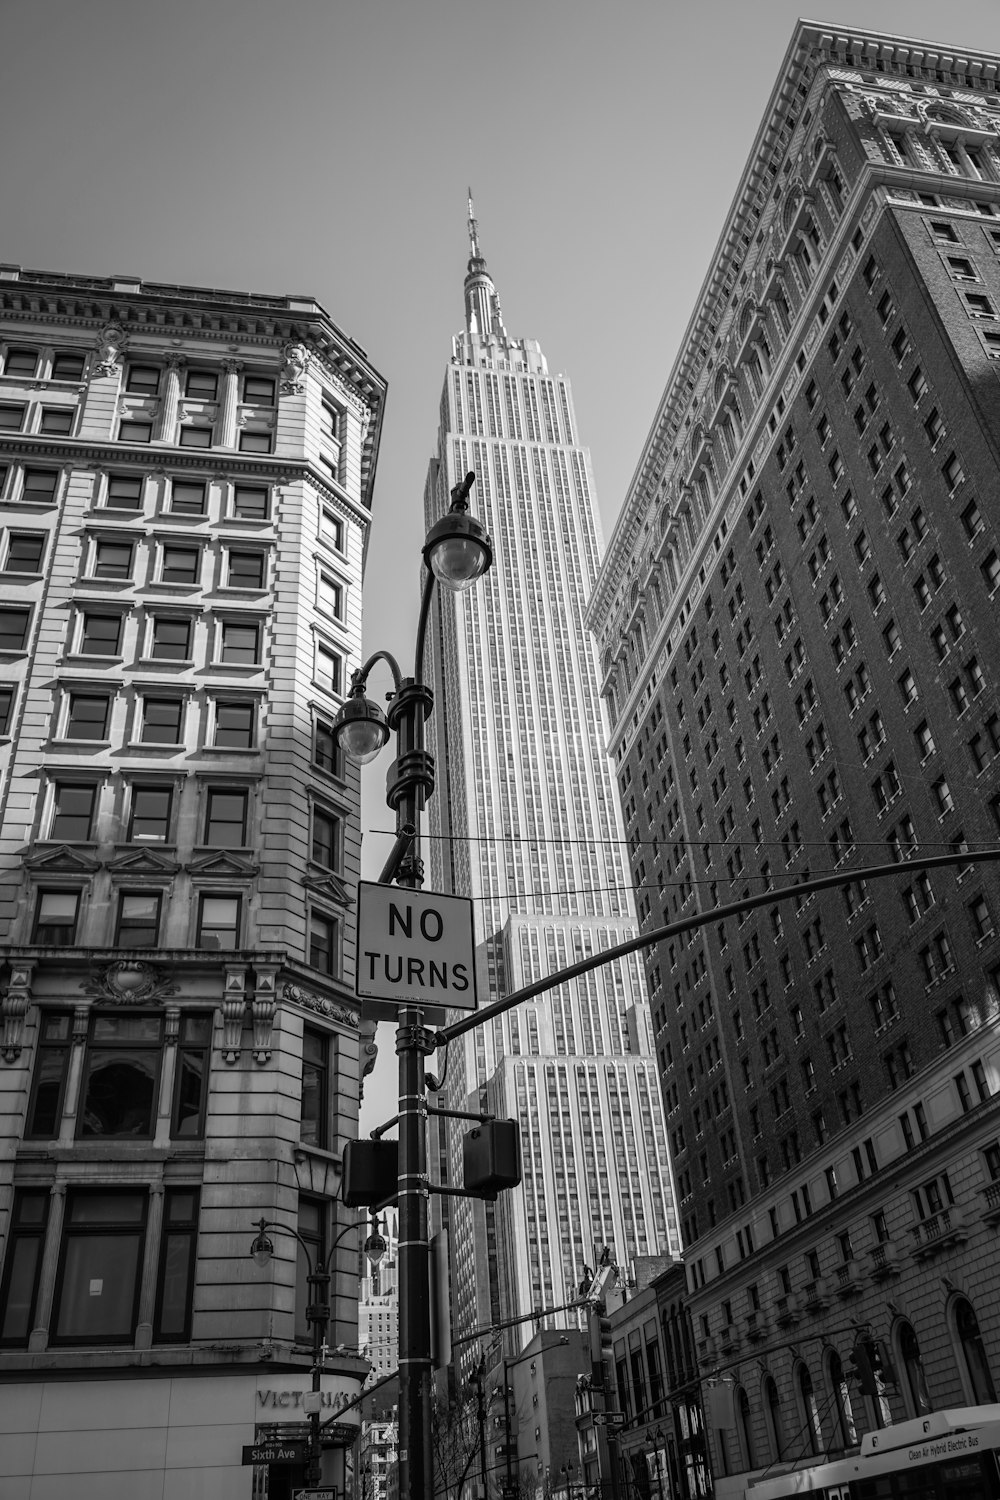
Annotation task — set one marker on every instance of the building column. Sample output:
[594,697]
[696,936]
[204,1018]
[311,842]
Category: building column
[230,402]
[150,1260]
[39,1337]
[166,426]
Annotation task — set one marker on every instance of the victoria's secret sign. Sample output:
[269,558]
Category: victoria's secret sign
[333,1397]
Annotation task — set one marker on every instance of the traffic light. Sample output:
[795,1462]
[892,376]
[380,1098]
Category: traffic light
[862,1360]
[491,1158]
[371,1172]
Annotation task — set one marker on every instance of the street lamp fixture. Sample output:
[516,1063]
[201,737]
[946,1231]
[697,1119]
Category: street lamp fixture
[317,1309]
[456,551]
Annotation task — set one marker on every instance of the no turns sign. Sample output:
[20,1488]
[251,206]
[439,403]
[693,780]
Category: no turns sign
[415,947]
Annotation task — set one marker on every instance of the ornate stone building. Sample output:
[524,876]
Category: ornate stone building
[797,624]
[185,490]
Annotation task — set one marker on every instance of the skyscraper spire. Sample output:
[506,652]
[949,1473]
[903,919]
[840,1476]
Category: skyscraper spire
[482,304]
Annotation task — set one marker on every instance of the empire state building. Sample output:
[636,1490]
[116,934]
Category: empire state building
[525,822]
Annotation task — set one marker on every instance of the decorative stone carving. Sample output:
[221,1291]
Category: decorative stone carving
[110,348]
[367,1047]
[234,1002]
[130,981]
[319,1003]
[265,996]
[13,1008]
[295,360]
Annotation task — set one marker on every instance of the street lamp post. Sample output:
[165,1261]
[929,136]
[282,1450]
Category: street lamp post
[456,552]
[317,1310]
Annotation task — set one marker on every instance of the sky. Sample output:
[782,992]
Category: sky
[326,147]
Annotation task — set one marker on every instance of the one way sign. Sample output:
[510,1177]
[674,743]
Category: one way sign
[415,948]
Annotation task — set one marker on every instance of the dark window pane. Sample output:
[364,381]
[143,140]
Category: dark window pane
[88,717]
[326,755]
[119,1090]
[150,821]
[25,552]
[239,643]
[100,635]
[13,629]
[124,491]
[171,639]
[323,944]
[21,362]
[313,1113]
[6,709]
[113,560]
[143,379]
[57,420]
[55,918]
[250,503]
[67,366]
[50,1078]
[24,1259]
[196,437]
[255,442]
[326,839]
[201,385]
[98,1286]
[258,390]
[73,812]
[138,919]
[40,484]
[246,570]
[180,565]
[161,721]
[226,820]
[234,724]
[187,499]
[11,418]
[218,922]
[135,432]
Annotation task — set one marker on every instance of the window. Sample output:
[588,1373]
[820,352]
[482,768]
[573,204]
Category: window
[149,818]
[135,432]
[941,793]
[11,418]
[239,643]
[330,596]
[311,1226]
[142,380]
[22,362]
[187,499]
[246,570]
[72,812]
[331,529]
[235,724]
[112,559]
[67,366]
[326,838]
[97,1293]
[324,943]
[26,1241]
[250,502]
[171,639]
[49,1081]
[14,629]
[218,922]
[6,708]
[162,719]
[138,924]
[40,485]
[124,492]
[175,1279]
[187,1119]
[88,717]
[255,442]
[55,919]
[193,435]
[326,754]
[314,1120]
[226,818]
[180,565]
[258,390]
[201,385]
[100,635]
[57,421]
[329,669]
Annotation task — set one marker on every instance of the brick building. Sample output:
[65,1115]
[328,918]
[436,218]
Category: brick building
[185,491]
[797,623]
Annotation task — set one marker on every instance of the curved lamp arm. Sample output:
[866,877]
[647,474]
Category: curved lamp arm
[262,1249]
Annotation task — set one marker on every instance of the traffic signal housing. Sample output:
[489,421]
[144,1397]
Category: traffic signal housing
[371,1173]
[491,1158]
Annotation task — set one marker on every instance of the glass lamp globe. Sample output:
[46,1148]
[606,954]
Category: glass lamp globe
[360,729]
[458,551]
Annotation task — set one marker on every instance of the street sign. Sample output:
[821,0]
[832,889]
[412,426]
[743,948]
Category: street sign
[275,1452]
[327,1492]
[415,947]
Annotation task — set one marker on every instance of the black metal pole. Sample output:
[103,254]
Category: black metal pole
[409,784]
[481,1413]
[318,1314]
[507,1434]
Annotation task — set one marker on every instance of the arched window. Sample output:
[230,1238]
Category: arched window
[845,1434]
[915,1393]
[772,1418]
[808,1410]
[976,1375]
[744,1429]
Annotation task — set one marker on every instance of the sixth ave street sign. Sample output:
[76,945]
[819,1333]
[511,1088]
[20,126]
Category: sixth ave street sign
[415,947]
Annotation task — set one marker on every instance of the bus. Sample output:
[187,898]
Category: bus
[945,1455]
